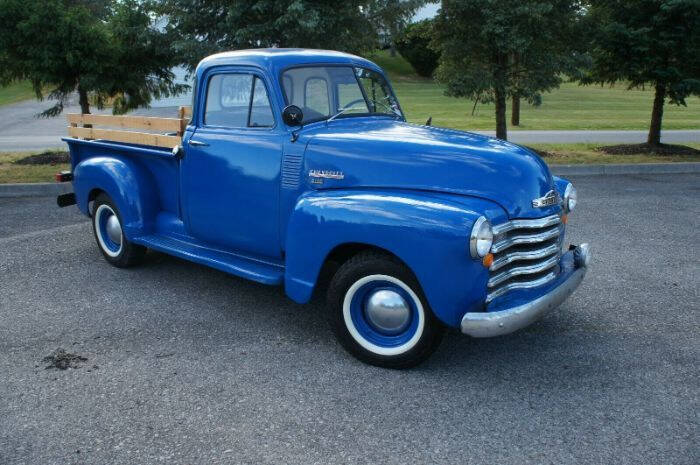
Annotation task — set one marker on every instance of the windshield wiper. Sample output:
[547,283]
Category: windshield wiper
[393,110]
[338,114]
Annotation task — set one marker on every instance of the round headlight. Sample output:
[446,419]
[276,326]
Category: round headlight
[570,197]
[481,238]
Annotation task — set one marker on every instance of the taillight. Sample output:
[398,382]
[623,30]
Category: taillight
[64,176]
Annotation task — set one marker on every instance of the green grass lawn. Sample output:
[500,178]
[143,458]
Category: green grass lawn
[569,107]
[564,154]
[16,92]
[11,172]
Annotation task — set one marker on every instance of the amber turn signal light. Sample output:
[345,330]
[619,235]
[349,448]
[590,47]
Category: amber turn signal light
[564,218]
[487,260]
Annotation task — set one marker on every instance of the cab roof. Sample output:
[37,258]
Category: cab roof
[278,59]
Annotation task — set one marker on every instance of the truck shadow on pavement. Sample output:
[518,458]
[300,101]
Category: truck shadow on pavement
[549,349]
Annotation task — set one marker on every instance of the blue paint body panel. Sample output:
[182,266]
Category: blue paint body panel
[245,204]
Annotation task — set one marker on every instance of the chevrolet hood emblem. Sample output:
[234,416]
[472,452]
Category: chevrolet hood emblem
[550,198]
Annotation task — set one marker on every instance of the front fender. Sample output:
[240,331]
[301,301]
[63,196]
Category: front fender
[128,185]
[560,184]
[429,232]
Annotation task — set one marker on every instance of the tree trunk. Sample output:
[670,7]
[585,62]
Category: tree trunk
[392,49]
[83,99]
[84,104]
[501,132]
[657,114]
[515,111]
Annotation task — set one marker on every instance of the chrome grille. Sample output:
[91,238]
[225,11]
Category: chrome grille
[526,254]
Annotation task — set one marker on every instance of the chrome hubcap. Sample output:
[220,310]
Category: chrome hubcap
[114,229]
[388,312]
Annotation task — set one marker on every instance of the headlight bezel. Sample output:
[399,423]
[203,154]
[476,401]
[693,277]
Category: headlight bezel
[481,231]
[570,198]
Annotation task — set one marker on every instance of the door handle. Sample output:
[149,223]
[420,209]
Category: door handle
[196,143]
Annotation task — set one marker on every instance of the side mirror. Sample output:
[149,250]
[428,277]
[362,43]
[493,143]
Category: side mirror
[292,115]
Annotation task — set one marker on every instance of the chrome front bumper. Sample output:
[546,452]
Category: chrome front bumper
[498,323]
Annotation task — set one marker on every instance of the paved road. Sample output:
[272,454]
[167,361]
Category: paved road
[195,366]
[22,131]
[594,137]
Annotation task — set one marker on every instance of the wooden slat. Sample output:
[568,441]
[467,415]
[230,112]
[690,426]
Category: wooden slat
[185,111]
[127,122]
[130,137]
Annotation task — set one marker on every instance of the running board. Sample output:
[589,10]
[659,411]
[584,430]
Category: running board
[262,272]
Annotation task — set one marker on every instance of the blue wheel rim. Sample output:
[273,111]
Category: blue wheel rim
[367,330]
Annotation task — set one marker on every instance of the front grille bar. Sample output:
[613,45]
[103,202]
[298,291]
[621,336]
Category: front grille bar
[520,285]
[537,223]
[524,239]
[526,255]
[522,270]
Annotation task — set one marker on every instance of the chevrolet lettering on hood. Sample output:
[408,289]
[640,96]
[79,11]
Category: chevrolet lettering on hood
[326,174]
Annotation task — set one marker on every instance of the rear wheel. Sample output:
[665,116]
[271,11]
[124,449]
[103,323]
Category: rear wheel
[107,227]
[379,314]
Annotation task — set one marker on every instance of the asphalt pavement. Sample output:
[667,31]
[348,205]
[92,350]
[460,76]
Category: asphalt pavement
[22,131]
[189,365]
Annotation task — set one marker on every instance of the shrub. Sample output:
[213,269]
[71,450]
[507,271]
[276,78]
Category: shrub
[414,45]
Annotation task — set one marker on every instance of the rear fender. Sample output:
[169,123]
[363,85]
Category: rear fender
[129,185]
[428,232]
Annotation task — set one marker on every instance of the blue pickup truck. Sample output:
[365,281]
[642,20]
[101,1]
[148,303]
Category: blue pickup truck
[299,164]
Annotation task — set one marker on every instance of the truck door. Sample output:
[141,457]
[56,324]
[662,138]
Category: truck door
[230,172]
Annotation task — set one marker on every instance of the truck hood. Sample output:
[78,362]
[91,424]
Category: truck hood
[383,153]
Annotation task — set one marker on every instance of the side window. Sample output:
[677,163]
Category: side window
[237,101]
[316,96]
[260,109]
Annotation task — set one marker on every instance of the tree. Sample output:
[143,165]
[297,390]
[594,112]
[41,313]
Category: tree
[392,16]
[495,49]
[647,42]
[414,45]
[108,49]
[202,27]
[142,61]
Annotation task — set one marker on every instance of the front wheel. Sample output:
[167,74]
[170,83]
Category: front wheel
[107,226]
[379,314]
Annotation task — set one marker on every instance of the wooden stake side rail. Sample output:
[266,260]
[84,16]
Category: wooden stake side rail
[135,122]
[129,137]
[173,125]
[185,112]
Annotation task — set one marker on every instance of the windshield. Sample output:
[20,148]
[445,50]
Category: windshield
[326,91]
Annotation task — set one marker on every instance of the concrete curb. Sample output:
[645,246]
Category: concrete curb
[633,168]
[49,189]
[40,189]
